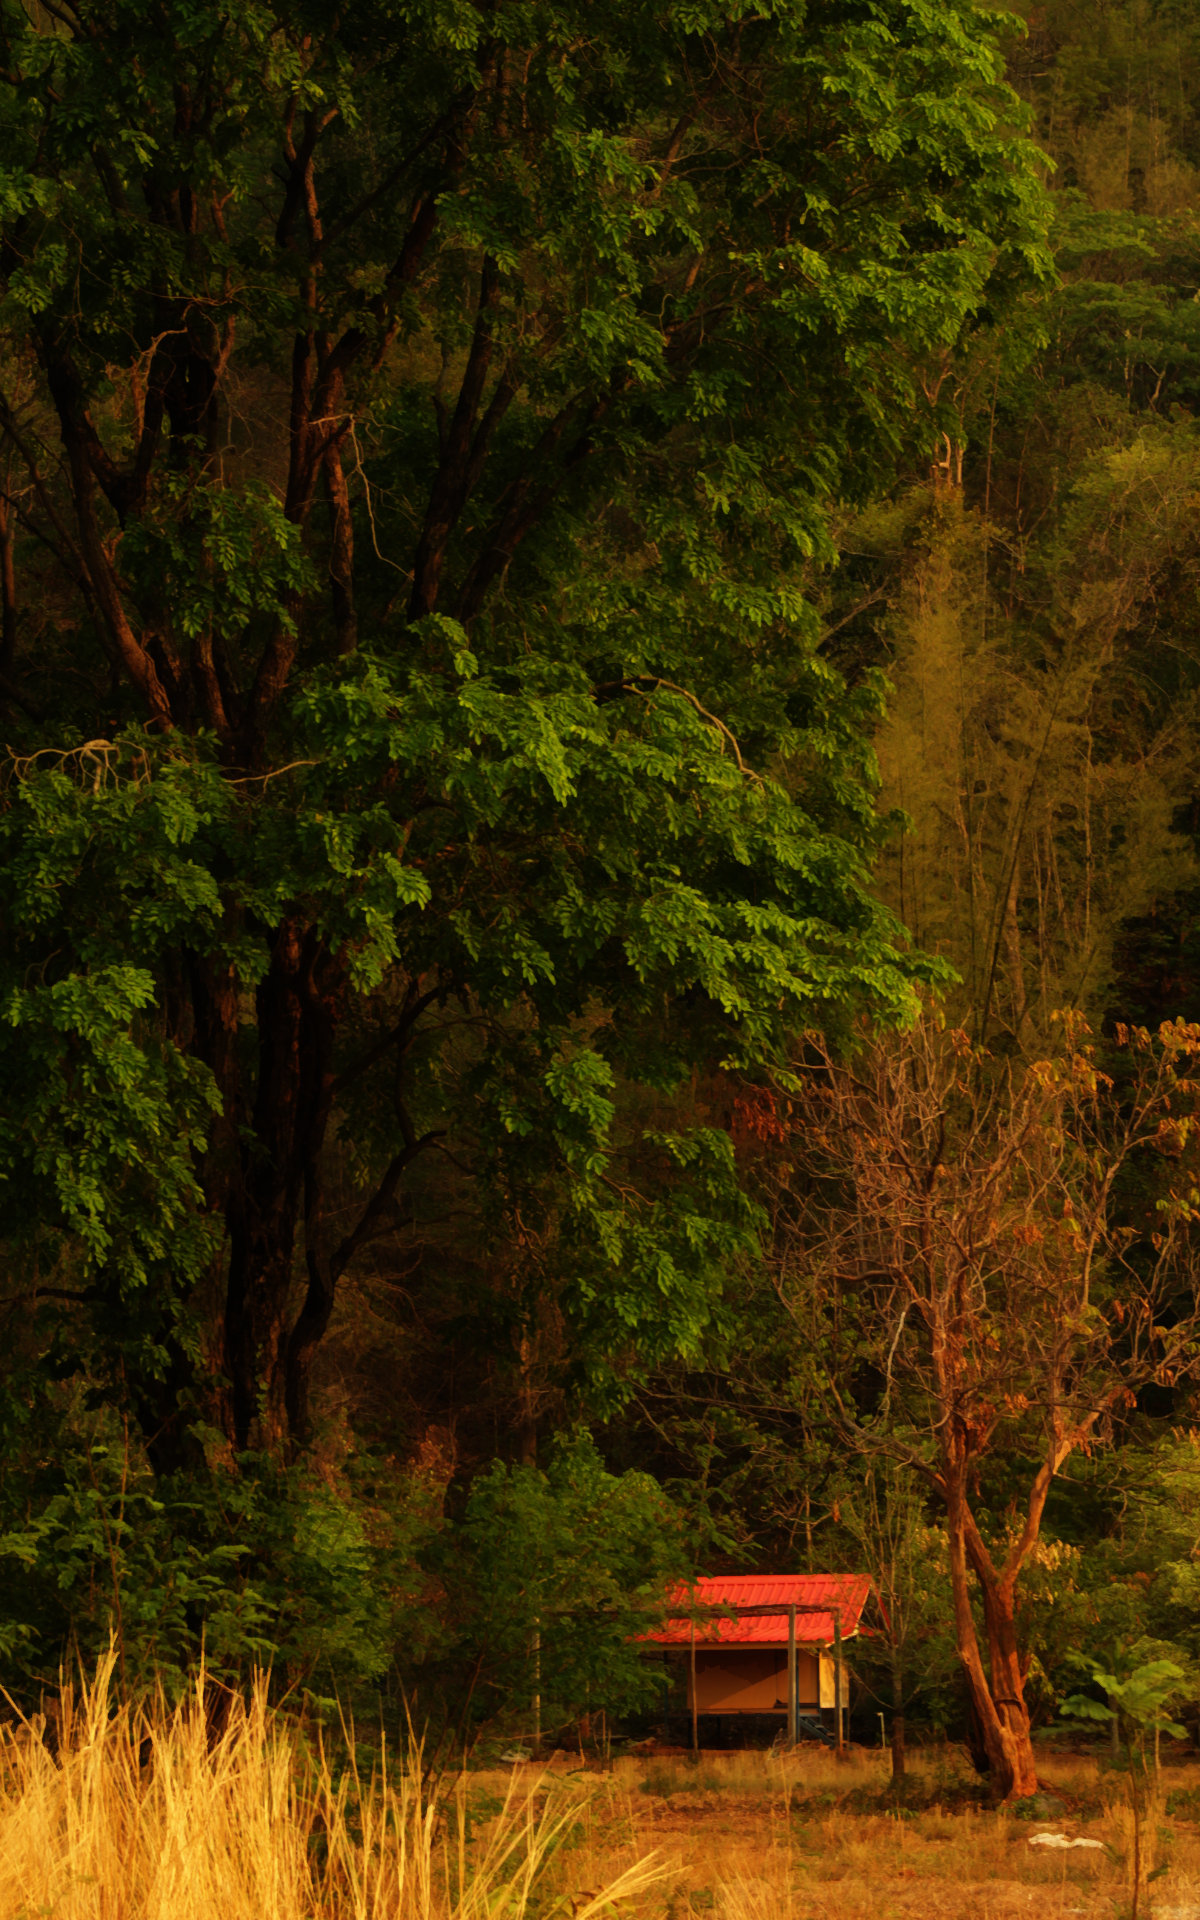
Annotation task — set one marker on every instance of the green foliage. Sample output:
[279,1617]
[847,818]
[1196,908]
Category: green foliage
[1141,1583]
[552,1575]
[258,1566]
[910,1660]
[1138,1696]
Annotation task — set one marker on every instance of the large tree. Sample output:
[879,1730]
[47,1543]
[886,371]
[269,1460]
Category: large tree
[979,1259]
[416,423]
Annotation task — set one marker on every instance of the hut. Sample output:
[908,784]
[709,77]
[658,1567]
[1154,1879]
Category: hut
[763,1653]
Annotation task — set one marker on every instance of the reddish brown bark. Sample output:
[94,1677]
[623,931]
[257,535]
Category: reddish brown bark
[341,549]
[997,1692]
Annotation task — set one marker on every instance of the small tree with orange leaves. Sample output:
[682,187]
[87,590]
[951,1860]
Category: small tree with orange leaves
[948,1241]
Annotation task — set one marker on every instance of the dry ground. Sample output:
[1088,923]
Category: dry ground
[761,1837]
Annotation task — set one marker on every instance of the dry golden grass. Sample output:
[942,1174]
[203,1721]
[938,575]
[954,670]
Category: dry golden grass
[774,1837]
[151,1817]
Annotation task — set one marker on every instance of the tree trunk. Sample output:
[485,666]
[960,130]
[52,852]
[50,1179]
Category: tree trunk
[980,1759]
[8,591]
[898,1744]
[999,1703]
[295,1033]
[1007,1679]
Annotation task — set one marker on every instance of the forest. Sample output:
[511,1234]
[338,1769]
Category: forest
[600,850]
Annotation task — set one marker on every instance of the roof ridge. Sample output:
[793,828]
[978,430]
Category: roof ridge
[763,1578]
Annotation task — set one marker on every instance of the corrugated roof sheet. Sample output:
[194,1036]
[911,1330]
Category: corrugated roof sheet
[822,1594]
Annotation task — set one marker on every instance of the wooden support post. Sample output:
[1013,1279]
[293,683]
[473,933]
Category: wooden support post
[837,1683]
[695,1707]
[793,1690]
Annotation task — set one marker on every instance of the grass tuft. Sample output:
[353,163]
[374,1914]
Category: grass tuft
[151,1814]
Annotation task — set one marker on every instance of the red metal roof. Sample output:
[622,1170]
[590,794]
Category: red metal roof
[843,1593]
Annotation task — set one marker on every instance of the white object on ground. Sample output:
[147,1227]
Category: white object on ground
[1060,1840]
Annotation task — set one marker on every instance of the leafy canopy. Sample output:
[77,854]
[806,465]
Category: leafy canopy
[421,427]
